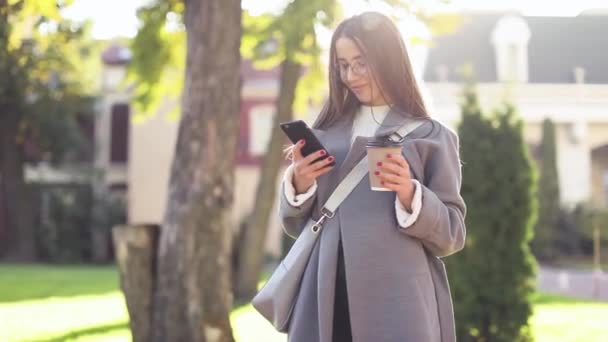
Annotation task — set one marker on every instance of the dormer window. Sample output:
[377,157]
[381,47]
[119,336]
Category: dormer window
[510,40]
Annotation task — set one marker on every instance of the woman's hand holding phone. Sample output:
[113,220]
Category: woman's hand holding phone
[307,169]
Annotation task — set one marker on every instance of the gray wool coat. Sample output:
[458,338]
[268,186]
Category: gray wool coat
[397,285]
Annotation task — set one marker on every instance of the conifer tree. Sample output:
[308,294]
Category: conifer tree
[543,245]
[493,277]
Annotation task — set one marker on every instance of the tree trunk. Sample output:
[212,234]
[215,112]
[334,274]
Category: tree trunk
[18,221]
[193,299]
[135,255]
[21,244]
[251,253]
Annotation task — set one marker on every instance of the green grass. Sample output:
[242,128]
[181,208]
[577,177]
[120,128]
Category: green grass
[61,303]
[564,319]
[82,303]
[50,303]
[28,282]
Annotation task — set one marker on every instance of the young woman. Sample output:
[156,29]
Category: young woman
[374,275]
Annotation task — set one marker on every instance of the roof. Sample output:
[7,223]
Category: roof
[557,45]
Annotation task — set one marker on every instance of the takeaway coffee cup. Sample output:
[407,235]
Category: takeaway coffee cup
[377,149]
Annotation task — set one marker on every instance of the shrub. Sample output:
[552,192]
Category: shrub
[493,277]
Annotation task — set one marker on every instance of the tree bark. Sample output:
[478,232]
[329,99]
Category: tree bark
[251,252]
[193,299]
[135,255]
[20,244]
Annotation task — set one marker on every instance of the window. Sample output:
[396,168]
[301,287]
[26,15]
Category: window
[510,39]
[119,134]
[260,129]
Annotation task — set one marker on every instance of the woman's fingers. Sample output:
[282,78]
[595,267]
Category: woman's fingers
[394,168]
[307,169]
[391,186]
[390,178]
[297,150]
[309,159]
[399,160]
[325,169]
[311,168]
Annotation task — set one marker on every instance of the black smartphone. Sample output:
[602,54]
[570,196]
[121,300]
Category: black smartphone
[297,130]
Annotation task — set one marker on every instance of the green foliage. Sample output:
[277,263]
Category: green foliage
[591,218]
[569,238]
[544,244]
[159,48]
[560,232]
[66,214]
[272,39]
[42,58]
[268,40]
[159,51]
[309,88]
[493,277]
[109,210]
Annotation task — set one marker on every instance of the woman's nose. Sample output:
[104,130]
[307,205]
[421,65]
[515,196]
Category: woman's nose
[350,75]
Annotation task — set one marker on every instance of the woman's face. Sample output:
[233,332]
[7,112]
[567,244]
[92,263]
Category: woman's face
[356,74]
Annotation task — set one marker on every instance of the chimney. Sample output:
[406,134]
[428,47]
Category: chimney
[579,75]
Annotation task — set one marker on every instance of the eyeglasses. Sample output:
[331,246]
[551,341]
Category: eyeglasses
[358,68]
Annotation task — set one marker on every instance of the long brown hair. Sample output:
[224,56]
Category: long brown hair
[386,57]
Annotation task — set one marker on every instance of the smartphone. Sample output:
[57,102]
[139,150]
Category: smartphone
[297,130]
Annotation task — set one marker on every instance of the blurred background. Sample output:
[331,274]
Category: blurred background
[90,106]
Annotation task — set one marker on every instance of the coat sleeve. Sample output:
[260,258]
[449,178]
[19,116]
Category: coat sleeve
[294,217]
[440,224]
[290,191]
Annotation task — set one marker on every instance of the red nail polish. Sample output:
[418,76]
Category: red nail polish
[379,163]
[301,142]
[382,182]
[331,159]
[377,173]
[388,155]
[322,153]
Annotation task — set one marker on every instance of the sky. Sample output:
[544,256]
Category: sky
[112,18]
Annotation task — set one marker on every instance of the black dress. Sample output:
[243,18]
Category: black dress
[341,324]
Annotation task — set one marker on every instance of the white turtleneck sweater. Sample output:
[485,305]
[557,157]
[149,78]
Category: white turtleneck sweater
[363,125]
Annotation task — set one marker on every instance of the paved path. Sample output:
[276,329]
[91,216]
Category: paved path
[574,283]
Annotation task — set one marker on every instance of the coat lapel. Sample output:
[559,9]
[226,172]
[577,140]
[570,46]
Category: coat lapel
[335,139]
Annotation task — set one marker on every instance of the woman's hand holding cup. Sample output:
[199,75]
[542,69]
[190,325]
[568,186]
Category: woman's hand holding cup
[394,174]
[306,169]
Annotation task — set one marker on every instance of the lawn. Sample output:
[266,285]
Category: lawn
[83,303]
